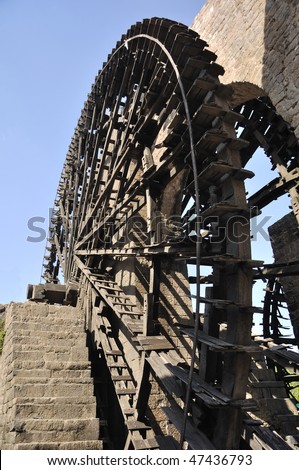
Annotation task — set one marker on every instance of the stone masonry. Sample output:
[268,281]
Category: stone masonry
[284,237]
[46,387]
[257,43]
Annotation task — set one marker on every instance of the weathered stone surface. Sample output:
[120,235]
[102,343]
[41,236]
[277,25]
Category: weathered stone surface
[53,430]
[74,445]
[256,41]
[284,237]
[47,399]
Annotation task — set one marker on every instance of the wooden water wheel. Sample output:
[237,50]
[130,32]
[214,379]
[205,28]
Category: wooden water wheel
[152,227]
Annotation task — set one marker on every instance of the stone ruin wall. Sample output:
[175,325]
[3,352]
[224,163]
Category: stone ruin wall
[284,237]
[257,43]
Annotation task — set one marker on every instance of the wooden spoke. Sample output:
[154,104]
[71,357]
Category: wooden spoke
[153,186]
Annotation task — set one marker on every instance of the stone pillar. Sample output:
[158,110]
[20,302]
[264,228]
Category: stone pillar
[284,237]
[47,390]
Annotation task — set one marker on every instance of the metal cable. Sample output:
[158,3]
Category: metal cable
[197,208]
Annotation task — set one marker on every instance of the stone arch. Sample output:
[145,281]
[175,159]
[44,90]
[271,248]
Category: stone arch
[261,50]
[243,92]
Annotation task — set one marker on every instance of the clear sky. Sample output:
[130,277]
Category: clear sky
[51,51]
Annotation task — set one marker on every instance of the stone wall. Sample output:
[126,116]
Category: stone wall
[46,388]
[284,237]
[257,43]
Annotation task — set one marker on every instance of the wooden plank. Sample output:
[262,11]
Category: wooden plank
[167,443]
[114,352]
[134,425]
[135,327]
[119,378]
[104,286]
[218,344]
[126,391]
[209,401]
[143,444]
[154,343]
[123,302]
[129,411]
[247,404]
[118,296]
[284,358]
[210,362]
[122,365]
[276,269]
[268,384]
[128,312]
[198,385]
[266,439]
[288,417]
[165,375]
[195,438]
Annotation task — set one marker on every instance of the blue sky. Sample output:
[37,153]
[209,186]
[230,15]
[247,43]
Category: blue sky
[50,53]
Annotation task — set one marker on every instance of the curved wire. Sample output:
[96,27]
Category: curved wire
[197,209]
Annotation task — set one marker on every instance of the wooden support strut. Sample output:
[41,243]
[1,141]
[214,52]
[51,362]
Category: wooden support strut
[155,105]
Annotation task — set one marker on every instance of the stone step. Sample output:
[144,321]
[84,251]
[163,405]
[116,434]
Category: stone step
[52,337]
[50,373]
[75,445]
[49,320]
[61,346]
[51,380]
[41,309]
[29,336]
[57,347]
[81,355]
[47,400]
[56,389]
[66,408]
[51,365]
[58,325]
[53,430]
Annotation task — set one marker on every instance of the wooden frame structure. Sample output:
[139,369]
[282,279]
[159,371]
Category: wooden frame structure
[152,189]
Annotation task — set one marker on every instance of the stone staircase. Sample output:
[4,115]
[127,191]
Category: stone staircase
[47,391]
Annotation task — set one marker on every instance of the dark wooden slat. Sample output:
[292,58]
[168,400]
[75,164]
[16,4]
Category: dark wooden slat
[154,343]
[220,345]
[209,401]
[165,375]
[195,438]
[284,357]
[263,438]
[277,269]
[198,385]
[272,191]
[268,384]
[167,443]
